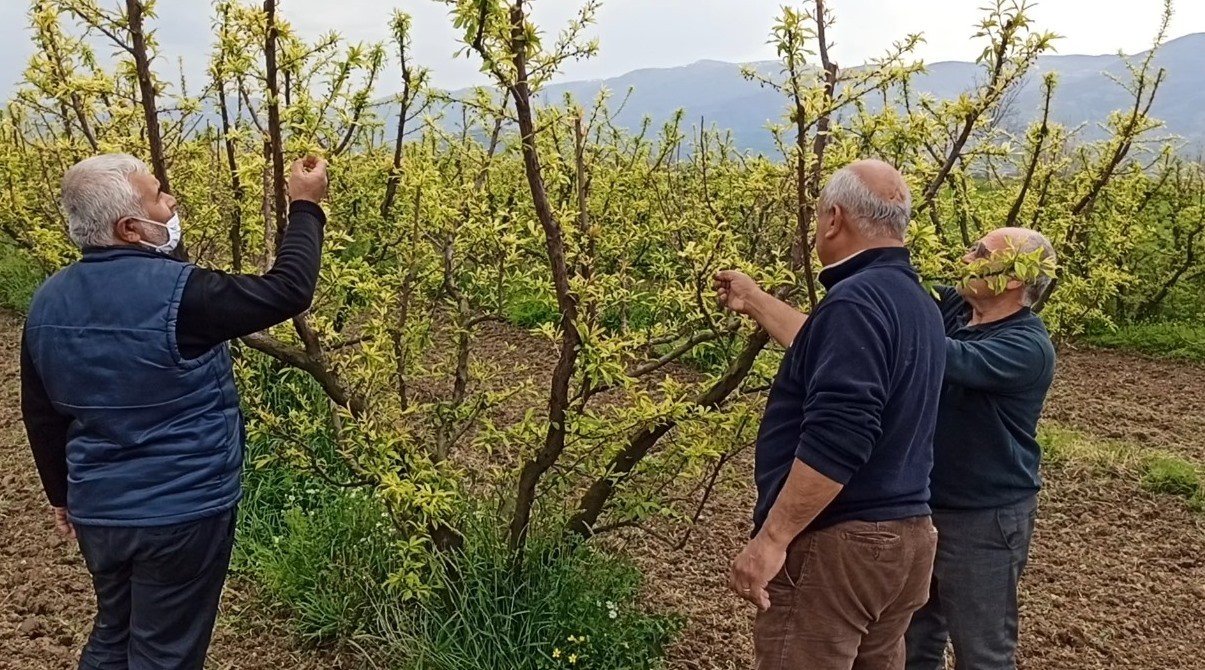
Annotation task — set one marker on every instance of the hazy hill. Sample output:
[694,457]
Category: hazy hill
[716,92]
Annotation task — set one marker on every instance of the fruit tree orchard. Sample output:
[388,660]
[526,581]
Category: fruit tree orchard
[506,205]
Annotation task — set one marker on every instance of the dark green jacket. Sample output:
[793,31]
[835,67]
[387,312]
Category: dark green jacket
[985,450]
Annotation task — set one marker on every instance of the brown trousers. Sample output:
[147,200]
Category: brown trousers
[846,596]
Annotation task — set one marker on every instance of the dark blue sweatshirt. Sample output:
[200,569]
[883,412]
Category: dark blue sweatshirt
[986,451]
[856,395]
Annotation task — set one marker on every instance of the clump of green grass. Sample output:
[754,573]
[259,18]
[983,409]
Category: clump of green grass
[1173,476]
[328,556]
[531,307]
[1066,447]
[1185,341]
[1156,471]
[570,605]
[329,562]
[19,278]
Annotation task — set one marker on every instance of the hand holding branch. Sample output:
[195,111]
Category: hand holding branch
[308,180]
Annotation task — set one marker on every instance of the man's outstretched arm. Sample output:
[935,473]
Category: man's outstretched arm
[739,293]
[217,307]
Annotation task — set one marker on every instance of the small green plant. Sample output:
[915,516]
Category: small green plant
[1157,472]
[569,606]
[1066,447]
[1054,446]
[1172,476]
[639,313]
[530,307]
[331,564]
[19,278]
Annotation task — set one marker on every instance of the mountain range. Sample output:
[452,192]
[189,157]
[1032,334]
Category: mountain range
[719,94]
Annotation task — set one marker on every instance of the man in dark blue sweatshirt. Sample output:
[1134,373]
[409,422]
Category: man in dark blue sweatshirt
[843,545]
[999,366]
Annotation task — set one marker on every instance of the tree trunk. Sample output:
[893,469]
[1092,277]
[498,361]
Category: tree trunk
[1034,157]
[236,183]
[395,172]
[558,398]
[275,135]
[150,108]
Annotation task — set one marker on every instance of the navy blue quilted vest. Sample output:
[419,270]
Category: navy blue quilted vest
[155,439]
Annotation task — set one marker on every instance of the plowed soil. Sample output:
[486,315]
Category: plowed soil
[1116,579]
[1137,399]
[46,600]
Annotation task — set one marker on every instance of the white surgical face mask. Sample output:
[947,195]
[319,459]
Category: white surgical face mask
[173,234]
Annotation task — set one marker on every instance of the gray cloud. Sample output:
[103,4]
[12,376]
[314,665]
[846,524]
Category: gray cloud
[644,33]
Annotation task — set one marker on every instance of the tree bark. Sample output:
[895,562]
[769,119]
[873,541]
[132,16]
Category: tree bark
[236,183]
[558,398]
[330,382]
[275,135]
[1034,157]
[146,90]
[395,172]
[150,108]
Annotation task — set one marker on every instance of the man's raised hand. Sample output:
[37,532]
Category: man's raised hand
[736,291]
[308,180]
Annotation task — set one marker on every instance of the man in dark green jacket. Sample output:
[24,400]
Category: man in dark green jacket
[985,480]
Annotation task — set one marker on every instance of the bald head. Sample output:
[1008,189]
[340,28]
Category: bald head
[1016,236]
[883,180]
[873,195]
[1025,241]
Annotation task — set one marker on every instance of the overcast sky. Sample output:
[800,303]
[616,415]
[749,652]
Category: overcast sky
[655,33]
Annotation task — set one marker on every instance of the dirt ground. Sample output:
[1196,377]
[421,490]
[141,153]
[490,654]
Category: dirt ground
[1116,576]
[1116,579]
[46,600]
[1133,398]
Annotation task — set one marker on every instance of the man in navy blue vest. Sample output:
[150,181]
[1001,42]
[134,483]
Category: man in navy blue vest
[843,545]
[129,401]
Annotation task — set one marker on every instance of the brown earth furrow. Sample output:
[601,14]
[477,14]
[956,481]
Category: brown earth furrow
[1116,580]
[46,600]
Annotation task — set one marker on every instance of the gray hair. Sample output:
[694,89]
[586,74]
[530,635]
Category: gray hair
[1035,289]
[97,193]
[874,215]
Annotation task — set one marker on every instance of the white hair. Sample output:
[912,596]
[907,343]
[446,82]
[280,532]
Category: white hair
[874,215]
[1035,289]
[97,193]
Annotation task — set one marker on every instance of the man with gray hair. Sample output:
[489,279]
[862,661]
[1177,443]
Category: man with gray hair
[129,401]
[842,549]
[999,366]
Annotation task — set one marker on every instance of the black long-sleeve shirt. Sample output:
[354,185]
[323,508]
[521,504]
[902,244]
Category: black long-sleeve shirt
[215,307]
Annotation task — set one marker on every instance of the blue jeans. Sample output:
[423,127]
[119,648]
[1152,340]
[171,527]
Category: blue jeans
[973,598]
[157,592]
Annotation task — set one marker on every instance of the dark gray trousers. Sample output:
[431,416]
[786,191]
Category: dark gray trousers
[157,592]
[973,599]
